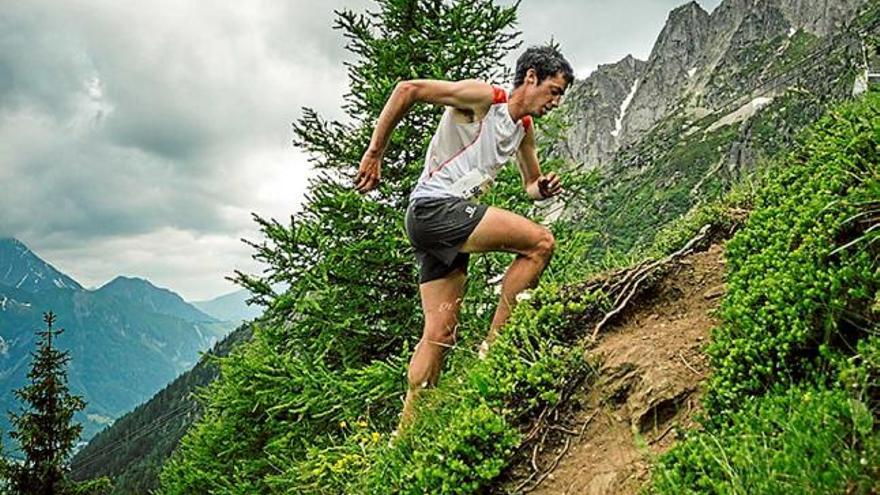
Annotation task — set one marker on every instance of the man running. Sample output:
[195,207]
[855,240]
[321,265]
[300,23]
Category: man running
[481,129]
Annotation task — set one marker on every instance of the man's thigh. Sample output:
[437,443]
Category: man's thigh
[441,298]
[501,230]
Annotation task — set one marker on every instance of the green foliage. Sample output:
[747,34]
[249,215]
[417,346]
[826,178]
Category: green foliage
[467,428]
[44,428]
[860,374]
[131,451]
[799,441]
[723,215]
[787,293]
[460,456]
[531,362]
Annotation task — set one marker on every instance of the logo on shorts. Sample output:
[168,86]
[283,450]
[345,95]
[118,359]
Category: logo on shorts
[470,210]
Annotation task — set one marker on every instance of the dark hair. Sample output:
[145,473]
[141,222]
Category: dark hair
[547,62]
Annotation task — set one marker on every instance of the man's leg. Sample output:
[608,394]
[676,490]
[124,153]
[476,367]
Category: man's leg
[501,230]
[441,301]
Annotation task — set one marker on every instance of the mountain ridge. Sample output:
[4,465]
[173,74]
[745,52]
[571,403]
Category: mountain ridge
[145,334]
[35,275]
[160,300]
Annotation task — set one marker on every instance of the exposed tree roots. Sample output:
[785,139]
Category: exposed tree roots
[619,288]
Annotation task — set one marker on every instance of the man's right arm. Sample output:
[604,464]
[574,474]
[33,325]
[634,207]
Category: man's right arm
[469,95]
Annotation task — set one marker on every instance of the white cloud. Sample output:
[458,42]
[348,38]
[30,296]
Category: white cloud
[134,133]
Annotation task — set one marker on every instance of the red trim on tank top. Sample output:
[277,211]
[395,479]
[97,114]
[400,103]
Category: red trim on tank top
[527,122]
[498,95]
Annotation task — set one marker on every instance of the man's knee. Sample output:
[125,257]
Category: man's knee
[440,334]
[544,245]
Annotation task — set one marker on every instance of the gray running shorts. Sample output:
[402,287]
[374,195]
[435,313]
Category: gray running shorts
[437,228]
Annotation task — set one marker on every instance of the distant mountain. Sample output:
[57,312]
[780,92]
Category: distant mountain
[22,269]
[230,307]
[146,295]
[126,340]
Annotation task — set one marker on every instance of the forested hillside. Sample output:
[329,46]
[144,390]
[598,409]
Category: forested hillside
[132,450]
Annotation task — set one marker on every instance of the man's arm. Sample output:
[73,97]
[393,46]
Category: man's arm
[468,95]
[537,186]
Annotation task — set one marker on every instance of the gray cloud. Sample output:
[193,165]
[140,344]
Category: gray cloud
[136,138]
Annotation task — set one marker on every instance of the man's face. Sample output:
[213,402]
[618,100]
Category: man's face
[543,97]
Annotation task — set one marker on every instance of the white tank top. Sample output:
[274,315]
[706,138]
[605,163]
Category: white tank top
[463,159]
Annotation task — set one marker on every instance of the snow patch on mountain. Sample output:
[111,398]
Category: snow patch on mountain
[618,124]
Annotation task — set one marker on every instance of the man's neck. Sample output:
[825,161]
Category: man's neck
[515,105]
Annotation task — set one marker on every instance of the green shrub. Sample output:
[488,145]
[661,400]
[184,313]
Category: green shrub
[468,428]
[789,292]
[861,373]
[799,441]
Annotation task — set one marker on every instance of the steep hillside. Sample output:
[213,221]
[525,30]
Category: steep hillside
[650,370]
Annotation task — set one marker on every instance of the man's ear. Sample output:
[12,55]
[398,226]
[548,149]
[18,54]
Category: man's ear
[531,76]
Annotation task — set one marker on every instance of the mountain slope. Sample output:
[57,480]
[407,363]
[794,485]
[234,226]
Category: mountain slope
[22,269]
[144,294]
[594,110]
[122,351]
[718,94]
[132,450]
[230,307]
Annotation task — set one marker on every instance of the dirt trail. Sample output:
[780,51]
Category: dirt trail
[651,369]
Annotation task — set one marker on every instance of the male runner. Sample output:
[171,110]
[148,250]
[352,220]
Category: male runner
[481,129]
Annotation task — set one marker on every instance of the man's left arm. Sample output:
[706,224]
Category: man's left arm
[537,186]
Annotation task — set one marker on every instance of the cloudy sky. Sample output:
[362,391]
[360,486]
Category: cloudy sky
[136,138]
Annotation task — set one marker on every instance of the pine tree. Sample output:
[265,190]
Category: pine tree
[346,254]
[332,348]
[44,429]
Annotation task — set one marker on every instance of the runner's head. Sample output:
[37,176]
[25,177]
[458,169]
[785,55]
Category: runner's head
[543,74]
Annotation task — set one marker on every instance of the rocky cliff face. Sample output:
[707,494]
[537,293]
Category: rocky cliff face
[672,63]
[719,93]
[819,17]
[594,113]
[699,64]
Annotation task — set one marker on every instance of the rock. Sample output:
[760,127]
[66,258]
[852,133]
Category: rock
[714,292]
[594,108]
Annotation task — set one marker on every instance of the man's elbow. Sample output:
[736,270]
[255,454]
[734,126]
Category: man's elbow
[406,90]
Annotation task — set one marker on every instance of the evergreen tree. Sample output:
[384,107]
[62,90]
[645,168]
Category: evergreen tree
[332,349]
[44,430]
[345,254]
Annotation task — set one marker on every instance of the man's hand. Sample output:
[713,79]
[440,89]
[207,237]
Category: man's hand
[549,185]
[369,172]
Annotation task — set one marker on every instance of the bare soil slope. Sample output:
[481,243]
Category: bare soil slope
[650,373]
